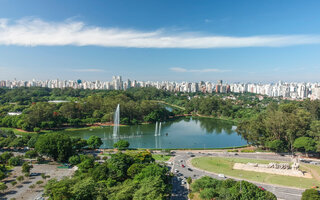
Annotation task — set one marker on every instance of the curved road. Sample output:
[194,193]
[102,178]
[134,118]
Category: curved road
[180,189]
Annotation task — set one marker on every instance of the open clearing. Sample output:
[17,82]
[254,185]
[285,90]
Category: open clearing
[225,166]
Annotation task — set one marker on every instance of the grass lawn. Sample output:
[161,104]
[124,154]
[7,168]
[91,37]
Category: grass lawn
[159,157]
[16,131]
[225,165]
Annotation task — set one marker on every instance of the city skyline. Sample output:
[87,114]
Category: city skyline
[161,40]
[288,90]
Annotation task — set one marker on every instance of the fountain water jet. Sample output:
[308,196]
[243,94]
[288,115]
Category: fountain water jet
[116,121]
[156,130]
[159,131]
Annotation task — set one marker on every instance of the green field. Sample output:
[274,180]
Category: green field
[159,157]
[225,165]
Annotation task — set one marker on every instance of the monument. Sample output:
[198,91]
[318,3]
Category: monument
[274,168]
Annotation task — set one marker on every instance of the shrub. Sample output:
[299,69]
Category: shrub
[74,160]
[13,183]
[26,167]
[39,182]
[6,156]
[105,158]
[43,175]
[276,145]
[189,180]
[3,187]
[15,161]
[36,129]
[32,186]
[247,151]
[31,154]
[40,159]
[20,178]
[121,145]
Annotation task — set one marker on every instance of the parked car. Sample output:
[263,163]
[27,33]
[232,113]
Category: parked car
[221,175]
[190,169]
[183,166]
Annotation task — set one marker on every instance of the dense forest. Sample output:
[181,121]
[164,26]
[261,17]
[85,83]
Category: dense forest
[123,176]
[285,127]
[84,107]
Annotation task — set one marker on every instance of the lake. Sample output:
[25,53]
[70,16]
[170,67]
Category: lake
[180,133]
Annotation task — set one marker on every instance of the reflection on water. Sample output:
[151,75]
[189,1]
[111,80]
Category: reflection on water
[180,133]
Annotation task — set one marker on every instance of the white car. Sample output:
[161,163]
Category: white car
[221,175]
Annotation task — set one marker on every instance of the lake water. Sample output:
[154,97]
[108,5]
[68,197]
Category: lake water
[180,133]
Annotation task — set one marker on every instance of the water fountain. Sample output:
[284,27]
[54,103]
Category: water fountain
[156,130]
[159,131]
[116,121]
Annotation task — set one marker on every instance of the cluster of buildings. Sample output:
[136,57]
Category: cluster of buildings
[280,89]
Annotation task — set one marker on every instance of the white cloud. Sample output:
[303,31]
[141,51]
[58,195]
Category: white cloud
[88,70]
[35,32]
[179,69]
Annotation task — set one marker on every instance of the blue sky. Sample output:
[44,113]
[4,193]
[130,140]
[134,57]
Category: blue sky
[160,40]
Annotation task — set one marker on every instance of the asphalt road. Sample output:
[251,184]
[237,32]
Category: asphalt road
[180,190]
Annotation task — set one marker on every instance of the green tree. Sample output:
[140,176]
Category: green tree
[31,154]
[74,160]
[121,144]
[36,129]
[15,161]
[152,187]
[32,142]
[135,169]
[84,189]
[208,194]
[305,144]
[94,142]
[3,187]
[100,172]
[275,145]
[310,194]
[55,145]
[85,165]
[26,167]
[59,190]
[20,178]
[6,156]
[118,165]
